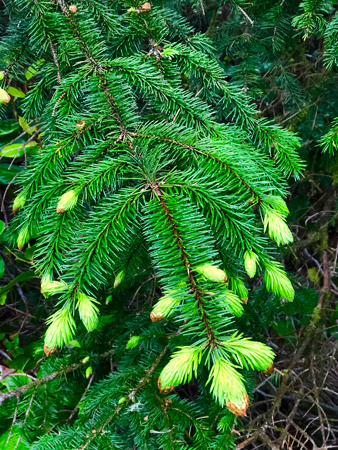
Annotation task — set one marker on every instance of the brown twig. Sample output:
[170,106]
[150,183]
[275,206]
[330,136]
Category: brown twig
[245,14]
[4,212]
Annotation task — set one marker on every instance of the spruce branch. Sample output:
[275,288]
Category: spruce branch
[185,259]
[131,397]
[96,66]
[41,381]
[200,151]
[85,264]
[56,62]
[49,40]
[135,166]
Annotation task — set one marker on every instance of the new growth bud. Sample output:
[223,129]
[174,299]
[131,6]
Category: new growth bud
[278,229]
[250,263]
[133,341]
[120,277]
[61,328]
[145,8]
[23,237]
[239,288]
[166,305]
[276,280]
[19,202]
[49,287]
[276,203]
[4,96]
[88,311]
[212,273]
[67,201]
[73,9]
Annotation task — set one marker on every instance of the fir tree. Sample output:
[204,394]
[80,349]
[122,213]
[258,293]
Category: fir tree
[150,164]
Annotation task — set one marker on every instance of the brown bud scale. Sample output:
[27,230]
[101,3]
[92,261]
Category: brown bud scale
[155,317]
[49,351]
[73,9]
[165,390]
[146,7]
[269,370]
[239,409]
[80,124]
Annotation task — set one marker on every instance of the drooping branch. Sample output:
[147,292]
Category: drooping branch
[209,156]
[96,66]
[186,262]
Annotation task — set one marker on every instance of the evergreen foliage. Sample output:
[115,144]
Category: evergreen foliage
[153,172]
